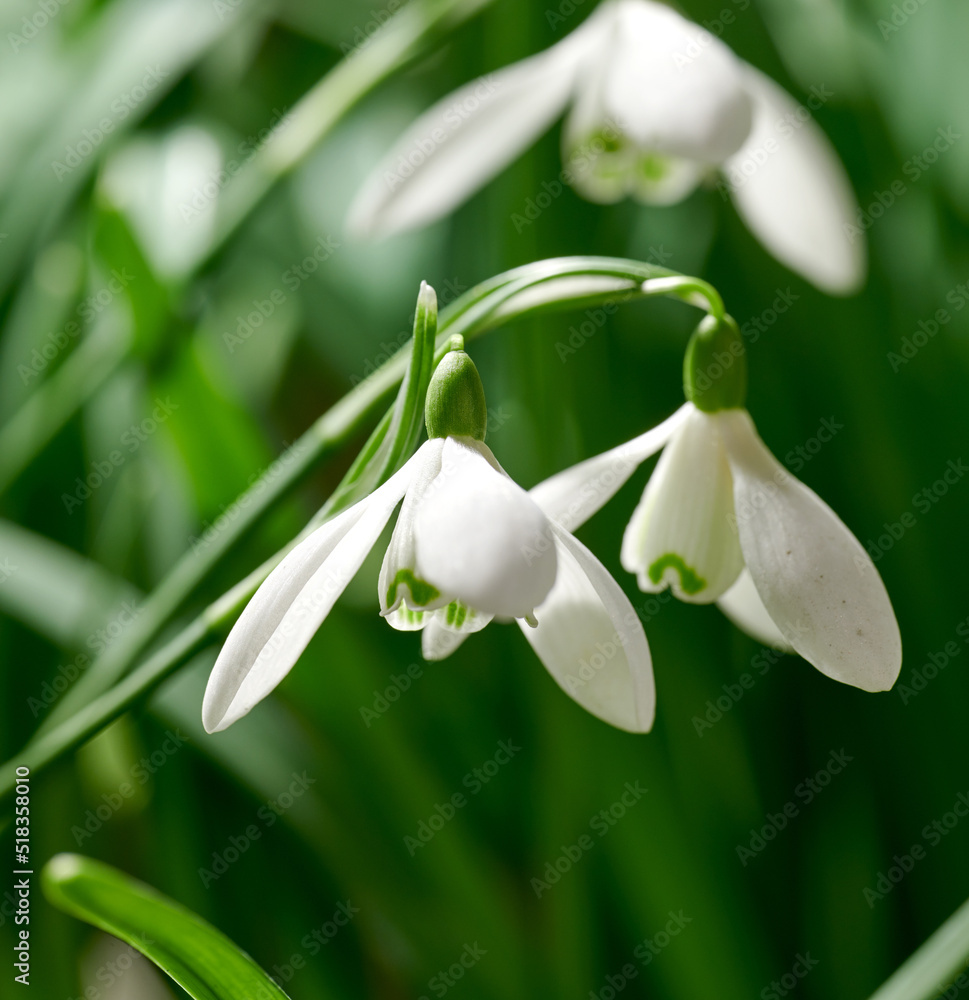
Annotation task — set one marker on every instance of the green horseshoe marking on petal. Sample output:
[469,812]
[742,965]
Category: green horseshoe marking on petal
[421,591]
[690,581]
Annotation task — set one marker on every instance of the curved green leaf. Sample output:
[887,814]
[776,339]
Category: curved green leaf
[927,972]
[202,960]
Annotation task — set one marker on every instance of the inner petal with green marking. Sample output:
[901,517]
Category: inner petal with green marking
[415,619]
[455,614]
[690,581]
[421,592]
[653,167]
[458,617]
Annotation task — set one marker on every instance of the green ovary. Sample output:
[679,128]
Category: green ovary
[690,581]
[421,592]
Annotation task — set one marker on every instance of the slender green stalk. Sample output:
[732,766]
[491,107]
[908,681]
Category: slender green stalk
[58,398]
[410,33]
[104,692]
[337,426]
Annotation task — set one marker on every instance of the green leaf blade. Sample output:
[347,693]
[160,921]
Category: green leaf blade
[201,959]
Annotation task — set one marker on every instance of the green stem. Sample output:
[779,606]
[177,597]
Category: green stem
[411,33]
[404,38]
[104,692]
[337,426]
[58,398]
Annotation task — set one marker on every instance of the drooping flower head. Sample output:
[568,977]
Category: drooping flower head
[658,104]
[722,520]
[469,545]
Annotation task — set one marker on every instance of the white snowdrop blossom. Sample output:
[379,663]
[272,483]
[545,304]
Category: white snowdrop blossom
[658,105]
[722,520]
[469,545]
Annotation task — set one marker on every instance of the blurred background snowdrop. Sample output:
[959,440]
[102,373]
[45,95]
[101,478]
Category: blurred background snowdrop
[243,321]
[657,104]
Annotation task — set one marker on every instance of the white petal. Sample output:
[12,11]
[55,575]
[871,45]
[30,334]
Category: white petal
[792,191]
[480,536]
[461,619]
[669,85]
[397,581]
[598,157]
[404,619]
[289,607]
[467,138]
[438,642]
[445,630]
[816,581]
[743,606]
[682,532]
[592,642]
[572,496]
[665,180]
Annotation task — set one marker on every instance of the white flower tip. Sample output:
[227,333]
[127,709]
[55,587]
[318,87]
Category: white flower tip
[213,721]
[439,643]
[881,669]
[816,582]
[361,222]
[644,723]
[592,642]
[217,704]
[849,277]
[211,725]
[798,201]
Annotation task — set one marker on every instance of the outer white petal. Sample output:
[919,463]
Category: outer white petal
[792,191]
[815,579]
[572,496]
[480,536]
[682,533]
[401,554]
[592,642]
[467,138]
[289,607]
[671,86]
[743,606]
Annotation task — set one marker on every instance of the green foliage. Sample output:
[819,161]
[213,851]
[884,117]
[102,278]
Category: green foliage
[259,314]
[200,959]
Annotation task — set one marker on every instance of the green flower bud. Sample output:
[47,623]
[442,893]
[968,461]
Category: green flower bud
[455,404]
[715,366]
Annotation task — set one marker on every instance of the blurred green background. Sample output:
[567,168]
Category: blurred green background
[152,368]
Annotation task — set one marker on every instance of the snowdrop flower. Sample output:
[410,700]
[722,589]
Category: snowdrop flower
[722,520]
[658,104]
[469,545]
